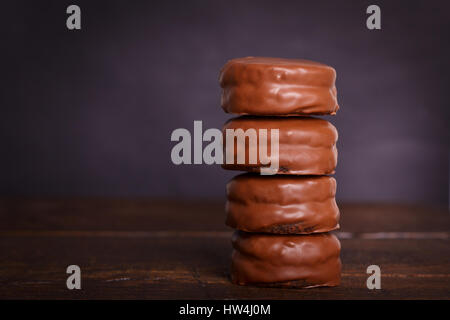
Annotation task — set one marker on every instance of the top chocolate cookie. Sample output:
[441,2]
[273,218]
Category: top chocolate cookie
[279,87]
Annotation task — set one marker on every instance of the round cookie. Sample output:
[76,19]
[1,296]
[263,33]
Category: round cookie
[285,261]
[274,86]
[282,204]
[307,146]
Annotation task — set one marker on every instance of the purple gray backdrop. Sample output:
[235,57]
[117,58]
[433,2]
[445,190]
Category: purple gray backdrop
[90,112]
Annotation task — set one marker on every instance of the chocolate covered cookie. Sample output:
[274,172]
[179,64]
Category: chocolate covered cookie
[282,204]
[285,261]
[307,146]
[274,86]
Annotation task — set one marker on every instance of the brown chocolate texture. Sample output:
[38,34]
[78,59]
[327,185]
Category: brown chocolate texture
[282,204]
[283,260]
[307,146]
[273,86]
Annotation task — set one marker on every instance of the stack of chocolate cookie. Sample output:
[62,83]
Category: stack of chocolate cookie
[283,220]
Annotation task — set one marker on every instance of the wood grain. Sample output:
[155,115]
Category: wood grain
[162,249]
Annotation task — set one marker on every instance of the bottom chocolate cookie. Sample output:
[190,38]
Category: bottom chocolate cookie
[300,261]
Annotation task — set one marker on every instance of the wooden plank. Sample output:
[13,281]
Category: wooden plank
[150,249]
[148,214]
[150,268]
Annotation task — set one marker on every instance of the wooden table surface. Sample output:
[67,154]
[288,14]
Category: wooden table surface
[168,249]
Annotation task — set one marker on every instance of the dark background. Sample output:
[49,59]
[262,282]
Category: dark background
[90,112]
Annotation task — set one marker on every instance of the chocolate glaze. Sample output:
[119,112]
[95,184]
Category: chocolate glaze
[307,146]
[282,204]
[274,86]
[282,260]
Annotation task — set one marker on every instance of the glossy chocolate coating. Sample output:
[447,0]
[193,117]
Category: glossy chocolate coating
[307,146]
[274,86]
[282,204]
[282,260]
